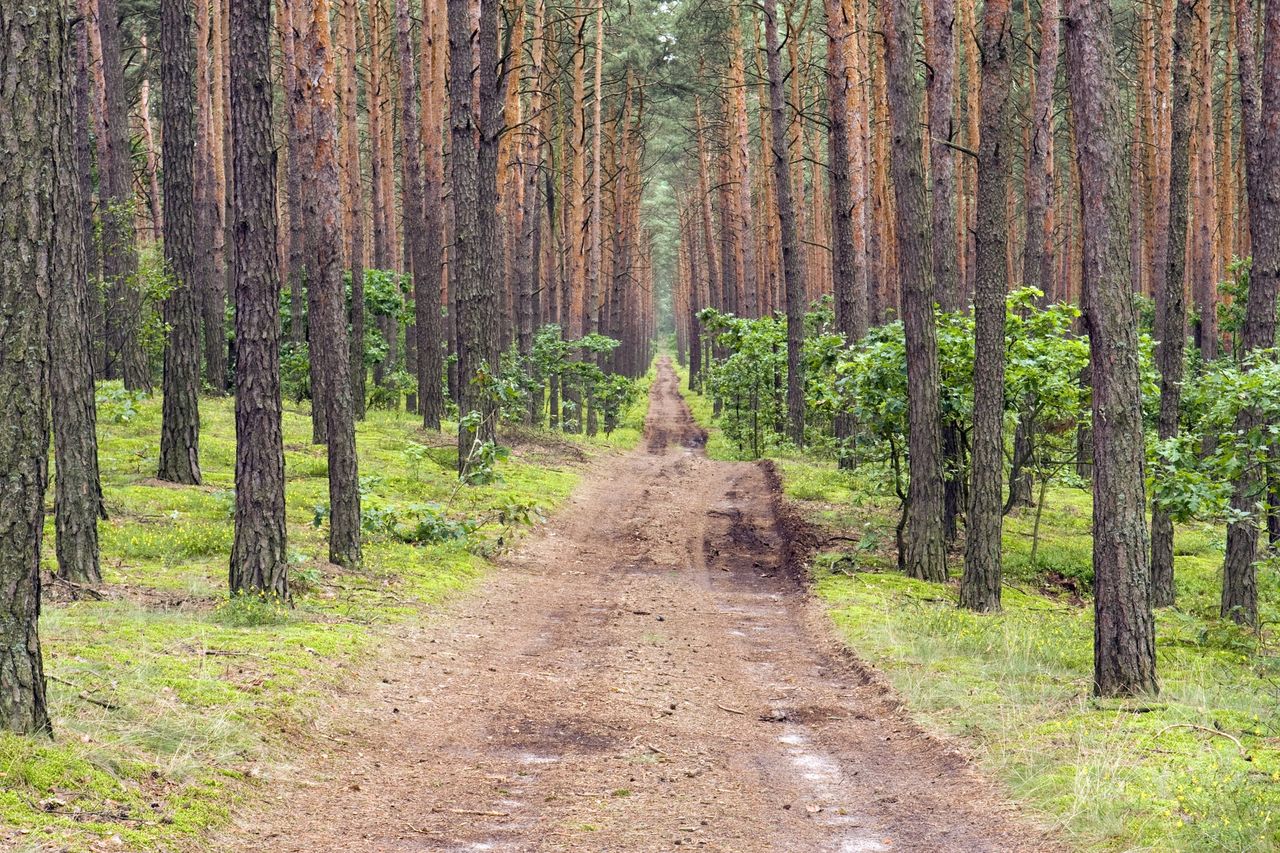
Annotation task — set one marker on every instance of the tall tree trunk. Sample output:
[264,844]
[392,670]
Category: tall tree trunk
[210,280]
[78,489]
[793,268]
[288,12]
[38,244]
[926,556]
[424,268]
[1124,630]
[596,232]
[355,199]
[1038,257]
[119,242]
[940,60]
[474,189]
[530,161]
[980,584]
[1171,313]
[180,425]
[259,556]
[330,349]
[1259,106]
[432,336]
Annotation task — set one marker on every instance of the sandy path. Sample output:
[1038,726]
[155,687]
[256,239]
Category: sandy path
[642,674]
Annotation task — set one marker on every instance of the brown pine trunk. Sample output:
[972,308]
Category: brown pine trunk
[424,268]
[39,243]
[209,278]
[1038,256]
[354,194]
[472,165]
[1171,314]
[1124,631]
[119,243]
[940,60]
[980,584]
[926,556]
[180,425]
[1259,104]
[78,490]
[793,268]
[433,337]
[259,554]
[330,349]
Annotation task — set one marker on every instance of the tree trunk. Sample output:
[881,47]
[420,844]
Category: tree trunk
[473,189]
[434,338]
[926,549]
[1259,104]
[424,268]
[39,244]
[793,268]
[119,243]
[1124,631]
[980,584]
[180,425]
[210,279]
[78,489]
[330,349]
[1171,314]
[355,200]
[259,556]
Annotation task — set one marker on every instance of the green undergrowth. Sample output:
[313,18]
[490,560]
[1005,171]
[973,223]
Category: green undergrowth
[1196,768]
[168,699]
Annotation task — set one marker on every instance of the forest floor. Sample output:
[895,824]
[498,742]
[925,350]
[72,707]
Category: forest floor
[644,672]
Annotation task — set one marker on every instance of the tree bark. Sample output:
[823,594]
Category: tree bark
[210,272]
[330,349]
[119,243]
[926,556]
[355,200]
[38,244]
[259,556]
[1171,314]
[433,336]
[473,189]
[1260,109]
[980,584]
[180,424]
[793,267]
[78,489]
[1124,630]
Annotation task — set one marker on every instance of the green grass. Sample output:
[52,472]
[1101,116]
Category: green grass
[201,693]
[1014,688]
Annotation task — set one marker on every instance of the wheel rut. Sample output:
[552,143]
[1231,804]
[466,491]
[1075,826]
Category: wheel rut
[642,674]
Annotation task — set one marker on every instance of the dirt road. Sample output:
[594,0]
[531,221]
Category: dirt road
[642,674]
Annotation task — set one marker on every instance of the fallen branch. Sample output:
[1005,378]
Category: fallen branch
[1244,753]
[475,812]
[730,710]
[80,694]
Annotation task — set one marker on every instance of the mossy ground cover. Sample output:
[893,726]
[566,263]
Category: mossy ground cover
[1197,768]
[168,699]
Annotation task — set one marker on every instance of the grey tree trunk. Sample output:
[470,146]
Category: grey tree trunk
[259,556]
[38,244]
[1171,312]
[793,269]
[78,489]
[1124,630]
[926,556]
[1259,104]
[119,243]
[980,584]
[180,426]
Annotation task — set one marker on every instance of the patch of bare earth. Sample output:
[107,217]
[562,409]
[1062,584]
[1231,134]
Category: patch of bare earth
[643,674]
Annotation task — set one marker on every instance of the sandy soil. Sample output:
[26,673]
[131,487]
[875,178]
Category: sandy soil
[645,673]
